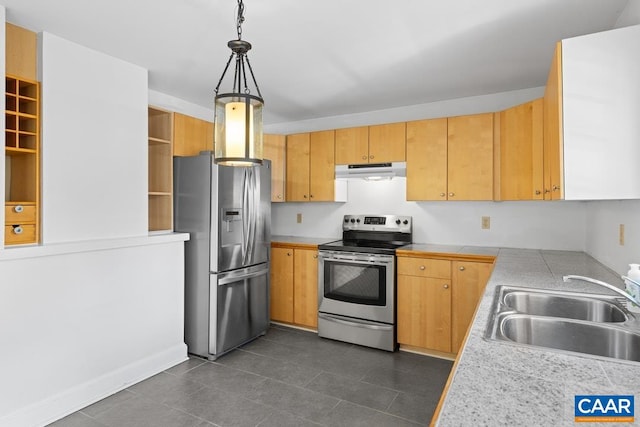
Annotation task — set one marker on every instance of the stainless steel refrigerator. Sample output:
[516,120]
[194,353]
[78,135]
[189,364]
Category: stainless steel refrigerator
[227,211]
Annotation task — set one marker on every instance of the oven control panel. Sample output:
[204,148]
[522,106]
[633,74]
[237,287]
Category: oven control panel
[395,223]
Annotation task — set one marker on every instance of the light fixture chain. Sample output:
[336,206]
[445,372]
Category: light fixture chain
[253,77]
[226,67]
[240,19]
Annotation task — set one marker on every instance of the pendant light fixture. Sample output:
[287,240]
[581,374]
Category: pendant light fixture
[238,114]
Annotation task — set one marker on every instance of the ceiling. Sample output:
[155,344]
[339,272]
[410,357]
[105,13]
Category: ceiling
[315,59]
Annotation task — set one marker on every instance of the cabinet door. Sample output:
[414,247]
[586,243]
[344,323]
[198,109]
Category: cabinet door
[322,166]
[427,160]
[297,168]
[553,147]
[387,143]
[424,312]
[468,282]
[352,146]
[274,149]
[519,148]
[282,284]
[191,135]
[470,159]
[305,304]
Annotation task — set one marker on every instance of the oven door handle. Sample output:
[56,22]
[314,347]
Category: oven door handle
[359,324]
[357,260]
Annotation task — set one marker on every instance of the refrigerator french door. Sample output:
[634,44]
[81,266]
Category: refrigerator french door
[227,211]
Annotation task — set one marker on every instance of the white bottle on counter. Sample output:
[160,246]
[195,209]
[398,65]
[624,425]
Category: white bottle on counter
[632,288]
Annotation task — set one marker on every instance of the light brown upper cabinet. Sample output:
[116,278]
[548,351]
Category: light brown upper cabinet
[592,105]
[450,158]
[427,159]
[274,149]
[519,153]
[21,52]
[310,167]
[552,129]
[191,135]
[470,157]
[373,144]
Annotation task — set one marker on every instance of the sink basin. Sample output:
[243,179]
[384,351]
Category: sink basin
[564,321]
[570,335]
[562,304]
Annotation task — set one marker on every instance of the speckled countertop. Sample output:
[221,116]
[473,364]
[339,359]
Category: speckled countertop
[500,384]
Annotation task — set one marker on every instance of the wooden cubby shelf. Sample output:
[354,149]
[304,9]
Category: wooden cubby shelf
[22,161]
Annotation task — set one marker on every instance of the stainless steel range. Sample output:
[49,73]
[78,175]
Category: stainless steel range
[356,280]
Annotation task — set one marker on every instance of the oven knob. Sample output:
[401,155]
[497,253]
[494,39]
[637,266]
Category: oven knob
[358,220]
[352,220]
[346,220]
[405,222]
[398,221]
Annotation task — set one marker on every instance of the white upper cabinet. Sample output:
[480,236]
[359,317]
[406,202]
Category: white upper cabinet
[601,115]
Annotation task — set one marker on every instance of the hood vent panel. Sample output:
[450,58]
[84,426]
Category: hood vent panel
[371,171]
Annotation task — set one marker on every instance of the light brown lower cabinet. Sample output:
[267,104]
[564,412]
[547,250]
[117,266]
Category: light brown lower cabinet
[436,301]
[294,285]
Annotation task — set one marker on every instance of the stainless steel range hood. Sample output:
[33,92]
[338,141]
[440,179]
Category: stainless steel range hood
[371,171]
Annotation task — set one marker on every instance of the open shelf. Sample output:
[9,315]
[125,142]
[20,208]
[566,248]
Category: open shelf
[160,169]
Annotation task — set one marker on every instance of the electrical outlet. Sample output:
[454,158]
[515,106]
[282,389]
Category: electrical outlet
[299,218]
[486,222]
[621,235]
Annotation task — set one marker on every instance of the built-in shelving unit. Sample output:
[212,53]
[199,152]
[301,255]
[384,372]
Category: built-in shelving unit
[22,161]
[160,170]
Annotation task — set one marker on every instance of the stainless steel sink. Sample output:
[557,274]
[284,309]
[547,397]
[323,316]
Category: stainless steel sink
[566,304]
[593,324]
[571,335]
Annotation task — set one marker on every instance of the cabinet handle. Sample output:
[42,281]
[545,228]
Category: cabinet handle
[305,196]
[18,208]
[422,267]
[537,192]
[452,194]
[279,196]
[461,268]
[364,157]
[315,256]
[288,253]
[443,194]
[311,196]
[556,187]
[17,229]
[546,190]
[445,286]
[371,157]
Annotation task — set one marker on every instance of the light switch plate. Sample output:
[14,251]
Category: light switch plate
[299,218]
[486,222]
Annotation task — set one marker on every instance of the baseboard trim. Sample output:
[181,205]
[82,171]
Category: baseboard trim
[62,404]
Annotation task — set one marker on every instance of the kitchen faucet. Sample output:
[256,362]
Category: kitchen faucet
[606,285]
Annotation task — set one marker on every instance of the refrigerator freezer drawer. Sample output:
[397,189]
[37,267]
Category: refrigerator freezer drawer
[241,298]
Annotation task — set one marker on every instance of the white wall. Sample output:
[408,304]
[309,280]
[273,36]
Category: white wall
[79,325]
[548,225]
[100,304]
[94,144]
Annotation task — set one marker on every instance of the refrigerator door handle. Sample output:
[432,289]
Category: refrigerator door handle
[250,207]
[227,278]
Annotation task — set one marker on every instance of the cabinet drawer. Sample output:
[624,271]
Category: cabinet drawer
[27,234]
[436,268]
[19,213]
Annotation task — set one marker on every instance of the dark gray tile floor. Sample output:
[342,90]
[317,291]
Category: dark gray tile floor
[286,378]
